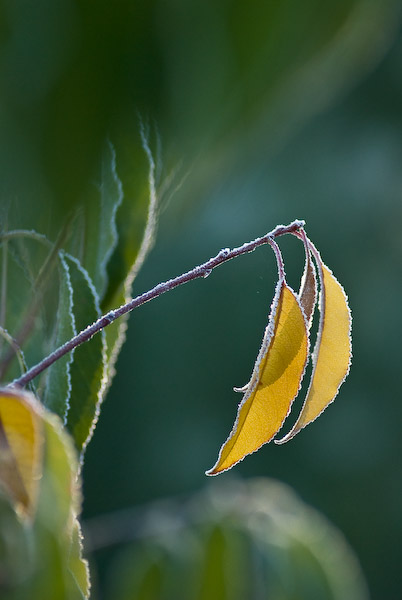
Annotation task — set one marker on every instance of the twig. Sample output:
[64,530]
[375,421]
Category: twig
[202,270]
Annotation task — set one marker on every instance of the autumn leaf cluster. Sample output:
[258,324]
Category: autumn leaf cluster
[281,363]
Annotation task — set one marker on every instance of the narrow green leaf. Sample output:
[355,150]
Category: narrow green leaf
[78,567]
[58,387]
[58,568]
[101,221]
[59,497]
[136,222]
[136,216]
[88,369]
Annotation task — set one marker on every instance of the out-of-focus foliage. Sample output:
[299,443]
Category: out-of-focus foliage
[230,542]
[210,73]
[40,552]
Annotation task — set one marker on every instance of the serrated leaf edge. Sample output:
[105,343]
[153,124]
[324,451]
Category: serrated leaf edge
[74,328]
[104,378]
[116,204]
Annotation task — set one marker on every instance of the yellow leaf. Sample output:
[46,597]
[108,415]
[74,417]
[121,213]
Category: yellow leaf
[274,383]
[332,353]
[21,441]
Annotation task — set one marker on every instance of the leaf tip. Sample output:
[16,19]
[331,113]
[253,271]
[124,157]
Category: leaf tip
[286,438]
[242,389]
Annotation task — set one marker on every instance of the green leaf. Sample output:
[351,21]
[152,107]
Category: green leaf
[88,369]
[101,230]
[78,567]
[24,260]
[59,496]
[15,550]
[55,527]
[136,220]
[58,385]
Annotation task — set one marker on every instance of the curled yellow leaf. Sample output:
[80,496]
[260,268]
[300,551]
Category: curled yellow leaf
[308,286]
[332,353]
[275,381]
[21,440]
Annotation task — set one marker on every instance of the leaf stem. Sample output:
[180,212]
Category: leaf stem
[279,259]
[202,270]
[301,235]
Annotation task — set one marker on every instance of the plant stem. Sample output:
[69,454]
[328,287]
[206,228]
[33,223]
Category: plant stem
[279,259]
[202,270]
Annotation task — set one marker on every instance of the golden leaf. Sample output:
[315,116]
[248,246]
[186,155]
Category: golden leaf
[332,353]
[21,440]
[275,381]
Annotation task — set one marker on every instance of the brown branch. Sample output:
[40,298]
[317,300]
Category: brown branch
[202,270]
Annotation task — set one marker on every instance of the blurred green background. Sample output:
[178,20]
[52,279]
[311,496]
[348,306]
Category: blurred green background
[266,112]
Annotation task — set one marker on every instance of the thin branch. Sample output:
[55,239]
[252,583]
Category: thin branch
[202,270]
